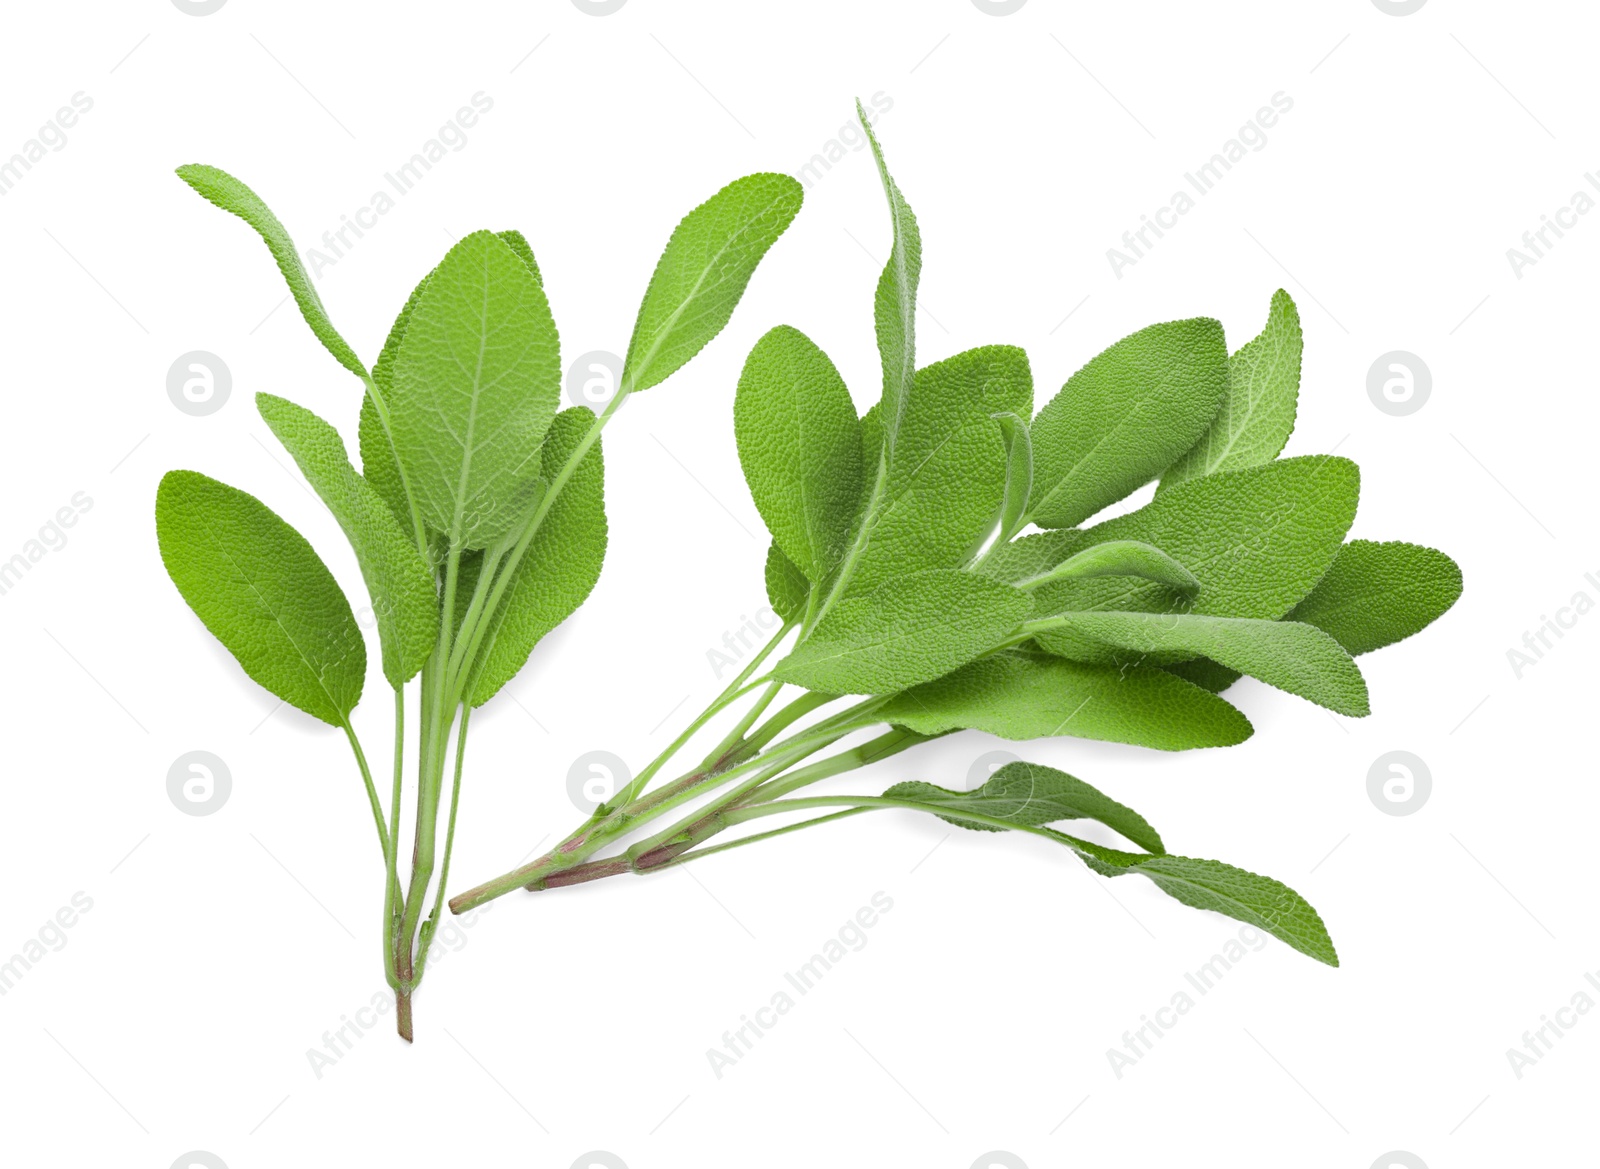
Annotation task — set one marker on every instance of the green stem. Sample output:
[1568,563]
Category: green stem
[372,791]
[432,923]
[391,887]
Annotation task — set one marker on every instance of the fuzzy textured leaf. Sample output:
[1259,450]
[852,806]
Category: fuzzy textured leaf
[263,593]
[1031,794]
[1019,474]
[938,492]
[1374,595]
[1257,416]
[1297,658]
[702,274]
[225,191]
[1258,540]
[562,563]
[1120,558]
[1021,695]
[399,581]
[476,383]
[1123,418]
[908,630]
[800,447]
[788,590]
[894,304]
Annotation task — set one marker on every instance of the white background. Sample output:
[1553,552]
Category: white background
[179,1012]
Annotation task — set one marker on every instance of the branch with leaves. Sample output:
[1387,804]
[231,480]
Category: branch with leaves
[477,518]
[934,573]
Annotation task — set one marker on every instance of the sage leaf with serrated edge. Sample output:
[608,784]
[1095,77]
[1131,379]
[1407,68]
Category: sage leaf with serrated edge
[399,581]
[1124,417]
[562,562]
[476,383]
[788,590]
[225,191]
[1300,659]
[908,630]
[894,304]
[1374,595]
[1018,694]
[1019,473]
[1258,901]
[1258,540]
[1028,793]
[800,446]
[263,593]
[1119,558]
[703,272]
[939,490]
[378,465]
[1257,416]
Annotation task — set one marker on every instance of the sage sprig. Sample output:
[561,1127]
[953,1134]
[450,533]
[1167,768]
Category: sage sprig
[937,568]
[478,515]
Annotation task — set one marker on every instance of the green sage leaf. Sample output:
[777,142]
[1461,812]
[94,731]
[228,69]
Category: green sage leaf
[1257,416]
[1374,595]
[788,590]
[1120,558]
[1019,474]
[894,305]
[399,581]
[263,593]
[1033,795]
[702,274]
[908,630]
[222,189]
[800,447]
[562,562]
[1125,417]
[1022,695]
[476,383]
[1298,658]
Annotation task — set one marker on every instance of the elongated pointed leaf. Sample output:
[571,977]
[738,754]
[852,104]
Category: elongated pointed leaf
[225,191]
[1374,595]
[908,630]
[399,580]
[1031,794]
[788,590]
[702,274]
[943,484]
[800,447]
[1301,659]
[262,592]
[1257,416]
[476,383]
[1120,558]
[562,562]
[1019,474]
[894,305]
[1258,901]
[1123,418]
[1258,541]
[1020,695]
